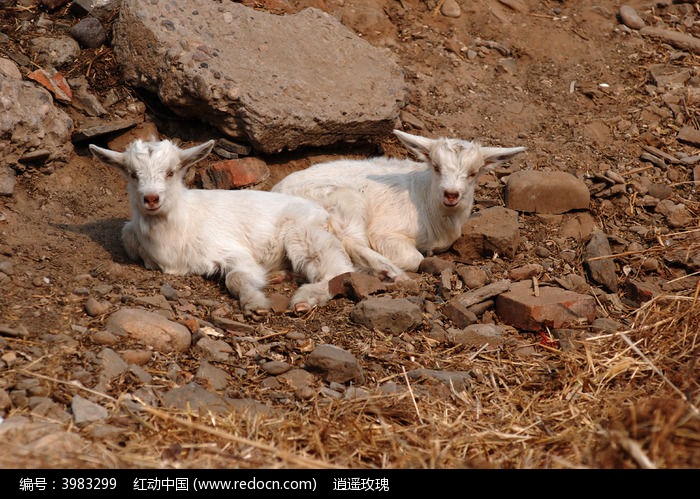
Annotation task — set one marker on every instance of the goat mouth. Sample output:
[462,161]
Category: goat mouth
[151,209]
[450,201]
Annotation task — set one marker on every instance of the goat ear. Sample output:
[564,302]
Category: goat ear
[108,156]
[194,154]
[496,155]
[420,146]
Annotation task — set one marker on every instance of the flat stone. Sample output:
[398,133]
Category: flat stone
[212,377]
[234,174]
[195,398]
[93,128]
[355,286]
[392,315]
[458,314]
[276,367]
[473,277]
[434,265]
[259,76]
[111,364]
[553,307]
[459,380]
[334,364]
[136,356]
[85,411]
[54,82]
[535,191]
[214,350]
[150,329]
[7,181]
[55,52]
[525,272]
[578,226]
[689,135]
[469,298]
[640,291]
[477,335]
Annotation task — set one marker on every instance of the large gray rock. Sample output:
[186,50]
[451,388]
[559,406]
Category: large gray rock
[280,82]
[29,121]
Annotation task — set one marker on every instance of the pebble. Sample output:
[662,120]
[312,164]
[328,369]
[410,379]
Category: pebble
[85,411]
[169,292]
[95,308]
[450,8]
[6,267]
[105,338]
[630,18]
[136,356]
[89,32]
[275,367]
[212,377]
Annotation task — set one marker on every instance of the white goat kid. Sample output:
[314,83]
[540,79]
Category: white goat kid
[241,235]
[391,212]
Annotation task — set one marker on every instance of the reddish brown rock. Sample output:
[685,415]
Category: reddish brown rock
[235,174]
[490,231]
[460,315]
[640,291]
[355,286]
[523,308]
[54,82]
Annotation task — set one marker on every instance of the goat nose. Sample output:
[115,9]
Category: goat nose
[151,200]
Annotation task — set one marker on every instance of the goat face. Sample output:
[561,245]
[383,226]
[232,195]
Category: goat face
[457,165]
[154,170]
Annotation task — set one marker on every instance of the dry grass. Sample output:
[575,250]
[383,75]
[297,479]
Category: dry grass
[627,399]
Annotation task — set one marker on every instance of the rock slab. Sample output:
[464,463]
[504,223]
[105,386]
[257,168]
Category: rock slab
[546,192]
[553,307]
[259,76]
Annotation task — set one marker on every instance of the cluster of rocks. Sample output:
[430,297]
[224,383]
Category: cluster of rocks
[251,75]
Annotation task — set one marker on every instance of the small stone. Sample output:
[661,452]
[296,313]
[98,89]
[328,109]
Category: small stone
[95,308]
[630,18]
[136,357]
[7,181]
[450,8]
[168,291]
[335,364]
[89,32]
[276,367]
[85,411]
[104,338]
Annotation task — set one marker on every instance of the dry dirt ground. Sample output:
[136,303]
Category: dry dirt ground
[560,77]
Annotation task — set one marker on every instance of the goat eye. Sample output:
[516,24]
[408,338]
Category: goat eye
[170,174]
[133,175]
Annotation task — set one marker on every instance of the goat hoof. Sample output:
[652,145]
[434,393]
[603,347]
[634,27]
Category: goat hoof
[278,277]
[260,312]
[302,307]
